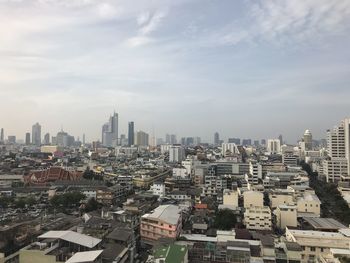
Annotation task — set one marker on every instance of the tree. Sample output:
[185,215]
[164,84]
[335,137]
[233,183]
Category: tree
[67,199]
[92,205]
[225,220]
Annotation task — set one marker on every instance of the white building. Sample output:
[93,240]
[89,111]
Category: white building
[180,172]
[176,154]
[273,146]
[338,146]
[158,188]
[255,169]
[258,218]
[229,149]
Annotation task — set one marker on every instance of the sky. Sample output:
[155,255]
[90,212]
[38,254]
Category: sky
[248,69]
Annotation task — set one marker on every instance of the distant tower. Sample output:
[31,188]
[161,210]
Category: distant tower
[308,140]
[281,139]
[110,131]
[36,134]
[216,138]
[84,139]
[131,133]
[27,138]
[47,139]
[2,135]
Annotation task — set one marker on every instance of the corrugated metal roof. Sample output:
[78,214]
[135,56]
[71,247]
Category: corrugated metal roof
[72,237]
[87,256]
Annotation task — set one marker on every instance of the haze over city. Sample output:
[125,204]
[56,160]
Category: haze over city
[249,69]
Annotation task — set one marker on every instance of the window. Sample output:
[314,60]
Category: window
[322,249]
[313,249]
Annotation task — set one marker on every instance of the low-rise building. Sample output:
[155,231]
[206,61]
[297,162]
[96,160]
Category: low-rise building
[258,218]
[164,222]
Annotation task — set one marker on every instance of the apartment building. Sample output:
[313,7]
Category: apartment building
[258,218]
[164,222]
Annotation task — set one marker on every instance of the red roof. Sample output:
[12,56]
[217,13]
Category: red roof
[51,174]
[201,206]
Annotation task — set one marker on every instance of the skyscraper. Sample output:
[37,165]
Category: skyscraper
[84,139]
[36,134]
[142,138]
[308,140]
[216,138]
[27,138]
[2,135]
[110,131]
[280,137]
[338,144]
[131,133]
[47,139]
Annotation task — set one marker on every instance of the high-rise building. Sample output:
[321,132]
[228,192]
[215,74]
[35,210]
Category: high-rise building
[308,140]
[11,139]
[274,146]
[280,137]
[338,145]
[2,138]
[27,138]
[176,154]
[142,138]
[236,141]
[63,139]
[131,133]
[216,138]
[170,139]
[246,142]
[47,139]
[84,139]
[36,134]
[110,131]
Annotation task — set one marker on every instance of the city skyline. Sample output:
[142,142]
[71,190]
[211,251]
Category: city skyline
[191,68]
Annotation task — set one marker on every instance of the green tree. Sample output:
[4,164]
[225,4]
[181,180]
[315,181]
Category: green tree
[92,205]
[225,220]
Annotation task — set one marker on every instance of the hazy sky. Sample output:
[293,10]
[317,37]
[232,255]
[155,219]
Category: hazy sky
[249,69]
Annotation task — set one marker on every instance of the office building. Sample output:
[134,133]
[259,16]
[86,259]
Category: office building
[27,141]
[110,131]
[142,138]
[131,133]
[36,134]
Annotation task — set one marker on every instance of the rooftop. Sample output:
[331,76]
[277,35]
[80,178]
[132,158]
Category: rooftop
[87,256]
[72,237]
[166,213]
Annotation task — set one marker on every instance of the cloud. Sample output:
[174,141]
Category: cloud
[108,11]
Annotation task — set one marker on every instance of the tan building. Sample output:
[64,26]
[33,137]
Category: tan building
[253,198]
[258,218]
[316,243]
[230,198]
[286,215]
[309,203]
[281,197]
